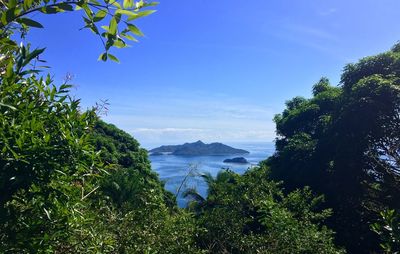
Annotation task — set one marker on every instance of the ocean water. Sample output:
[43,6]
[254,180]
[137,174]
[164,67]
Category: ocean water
[182,172]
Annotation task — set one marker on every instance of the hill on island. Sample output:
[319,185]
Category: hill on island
[197,148]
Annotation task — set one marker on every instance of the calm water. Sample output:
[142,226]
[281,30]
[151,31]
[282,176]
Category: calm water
[173,169]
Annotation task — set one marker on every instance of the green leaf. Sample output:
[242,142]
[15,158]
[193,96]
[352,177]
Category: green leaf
[151,4]
[119,43]
[99,15]
[8,106]
[65,7]
[129,37]
[117,17]
[128,4]
[95,2]
[29,22]
[27,4]
[107,28]
[87,10]
[49,10]
[113,58]
[116,4]
[103,57]
[113,26]
[141,14]
[32,55]
[125,12]
[135,30]
[109,42]
[8,16]
[12,3]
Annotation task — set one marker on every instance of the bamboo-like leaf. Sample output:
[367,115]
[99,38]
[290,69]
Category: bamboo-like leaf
[113,58]
[127,4]
[49,10]
[125,12]
[116,4]
[99,15]
[113,26]
[32,55]
[8,106]
[141,14]
[119,43]
[29,22]
[135,30]
[129,37]
[65,7]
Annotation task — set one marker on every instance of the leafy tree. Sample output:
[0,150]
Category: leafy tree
[343,143]
[250,214]
[139,214]
[60,194]
[71,183]
[388,228]
[48,167]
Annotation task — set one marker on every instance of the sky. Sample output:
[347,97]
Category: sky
[216,70]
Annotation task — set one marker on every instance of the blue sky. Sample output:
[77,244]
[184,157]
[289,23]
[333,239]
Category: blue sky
[217,70]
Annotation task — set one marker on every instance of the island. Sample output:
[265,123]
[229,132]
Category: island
[238,160]
[157,153]
[197,148]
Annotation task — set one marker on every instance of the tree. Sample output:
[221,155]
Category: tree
[388,229]
[59,194]
[343,143]
[250,214]
[48,167]
[71,183]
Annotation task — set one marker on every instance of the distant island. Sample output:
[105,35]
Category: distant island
[197,148]
[238,160]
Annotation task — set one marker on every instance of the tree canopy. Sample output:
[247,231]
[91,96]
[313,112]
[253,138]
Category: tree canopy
[344,143]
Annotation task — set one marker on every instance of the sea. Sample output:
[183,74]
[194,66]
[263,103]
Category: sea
[182,172]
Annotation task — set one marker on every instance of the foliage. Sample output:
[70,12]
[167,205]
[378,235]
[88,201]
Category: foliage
[71,183]
[48,167]
[389,231]
[344,143]
[117,19]
[250,214]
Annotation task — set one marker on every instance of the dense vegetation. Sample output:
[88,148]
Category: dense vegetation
[250,214]
[71,183]
[344,143]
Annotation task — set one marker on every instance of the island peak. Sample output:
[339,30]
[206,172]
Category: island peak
[198,148]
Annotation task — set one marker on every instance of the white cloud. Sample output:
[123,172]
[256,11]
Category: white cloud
[183,117]
[164,130]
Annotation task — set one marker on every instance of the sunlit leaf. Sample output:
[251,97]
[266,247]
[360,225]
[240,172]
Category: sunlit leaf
[113,58]
[99,15]
[113,27]
[135,30]
[128,4]
[141,14]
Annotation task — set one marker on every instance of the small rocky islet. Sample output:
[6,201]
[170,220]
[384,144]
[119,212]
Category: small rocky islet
[237,160]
